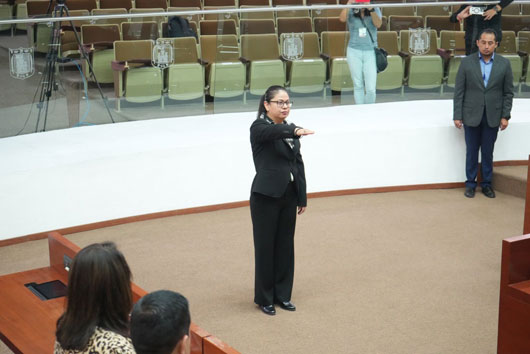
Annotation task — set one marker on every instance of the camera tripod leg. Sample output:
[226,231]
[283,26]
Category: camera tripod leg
[48,82]
[90,68]
[48,78]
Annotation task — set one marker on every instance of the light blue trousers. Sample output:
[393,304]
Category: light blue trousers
[363,73]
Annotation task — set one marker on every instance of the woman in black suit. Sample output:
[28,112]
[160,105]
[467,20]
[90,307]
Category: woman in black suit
[278,192]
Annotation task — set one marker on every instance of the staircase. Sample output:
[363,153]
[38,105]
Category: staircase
[510,180]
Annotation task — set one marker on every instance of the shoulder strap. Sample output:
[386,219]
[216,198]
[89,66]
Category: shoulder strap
[367,30]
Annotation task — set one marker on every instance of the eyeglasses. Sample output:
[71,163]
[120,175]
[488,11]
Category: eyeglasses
[283,103]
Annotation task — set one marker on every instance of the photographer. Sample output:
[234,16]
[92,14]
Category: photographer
[478,17]
[362,24]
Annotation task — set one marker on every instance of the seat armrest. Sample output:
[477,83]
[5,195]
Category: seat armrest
[324,56]
[119,65]
[522,53]
[445,53]
[70,28]
[86,48]
[90,47]
[403,54]
[124,65]
[244,60]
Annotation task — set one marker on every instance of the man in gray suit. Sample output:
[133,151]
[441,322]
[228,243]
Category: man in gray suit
[482,104]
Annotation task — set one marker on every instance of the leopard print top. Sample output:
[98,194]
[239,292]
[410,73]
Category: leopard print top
[102,342]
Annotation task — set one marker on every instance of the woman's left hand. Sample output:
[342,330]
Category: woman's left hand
[301,210]
[488,15]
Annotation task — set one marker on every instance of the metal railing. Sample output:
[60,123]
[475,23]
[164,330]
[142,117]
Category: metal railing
[35,20]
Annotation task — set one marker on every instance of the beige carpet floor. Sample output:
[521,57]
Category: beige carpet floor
[406,272]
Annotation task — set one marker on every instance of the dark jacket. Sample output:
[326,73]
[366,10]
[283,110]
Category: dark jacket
[471,96]
[275,160]
[476,23]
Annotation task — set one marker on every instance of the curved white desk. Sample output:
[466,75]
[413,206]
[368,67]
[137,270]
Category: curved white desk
[83,175]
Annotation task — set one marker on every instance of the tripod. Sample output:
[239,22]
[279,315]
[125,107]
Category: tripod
[48,82]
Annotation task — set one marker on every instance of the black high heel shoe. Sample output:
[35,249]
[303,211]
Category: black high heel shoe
[268,309]
[287,305]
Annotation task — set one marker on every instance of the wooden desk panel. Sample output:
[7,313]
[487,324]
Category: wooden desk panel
[514,323]
[526,226]
[197,336]
[213,345]
[27,323]
[514,300]
[59,246]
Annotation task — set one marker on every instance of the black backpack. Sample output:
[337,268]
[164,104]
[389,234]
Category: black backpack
[179,27]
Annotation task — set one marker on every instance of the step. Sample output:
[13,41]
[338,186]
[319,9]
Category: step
[510,180]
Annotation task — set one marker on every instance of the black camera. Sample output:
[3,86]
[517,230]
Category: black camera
[357,12]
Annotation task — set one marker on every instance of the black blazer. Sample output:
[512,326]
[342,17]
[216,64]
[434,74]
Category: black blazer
[275,160]
[471,97]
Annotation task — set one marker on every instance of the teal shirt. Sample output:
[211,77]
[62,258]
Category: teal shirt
[355,23]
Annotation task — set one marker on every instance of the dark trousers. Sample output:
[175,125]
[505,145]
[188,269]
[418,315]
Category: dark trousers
[273,223]
[482,137]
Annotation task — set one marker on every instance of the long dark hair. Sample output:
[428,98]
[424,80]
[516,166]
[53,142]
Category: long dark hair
[267,97]
[99,294]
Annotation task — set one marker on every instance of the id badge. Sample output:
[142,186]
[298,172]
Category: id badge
[362,32]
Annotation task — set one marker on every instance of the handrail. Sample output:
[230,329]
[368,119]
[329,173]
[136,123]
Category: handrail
[232,10]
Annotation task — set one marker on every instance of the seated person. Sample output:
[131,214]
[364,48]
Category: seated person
[99,300]
[160,323]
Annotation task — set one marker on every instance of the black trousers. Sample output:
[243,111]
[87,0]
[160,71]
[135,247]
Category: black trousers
[273,223]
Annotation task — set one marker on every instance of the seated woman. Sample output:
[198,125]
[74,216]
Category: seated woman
[99,300]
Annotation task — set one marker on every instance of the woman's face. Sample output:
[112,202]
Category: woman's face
[278,107]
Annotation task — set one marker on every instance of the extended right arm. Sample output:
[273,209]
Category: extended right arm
[261,131]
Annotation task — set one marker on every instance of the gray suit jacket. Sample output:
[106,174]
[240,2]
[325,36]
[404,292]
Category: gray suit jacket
[471,96]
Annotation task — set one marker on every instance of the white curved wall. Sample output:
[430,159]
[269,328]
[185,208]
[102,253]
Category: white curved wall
[78,176]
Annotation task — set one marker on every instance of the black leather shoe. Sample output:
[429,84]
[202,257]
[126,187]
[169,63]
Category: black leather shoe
[268,309]
[488,191]
[287,305]
[470,192]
